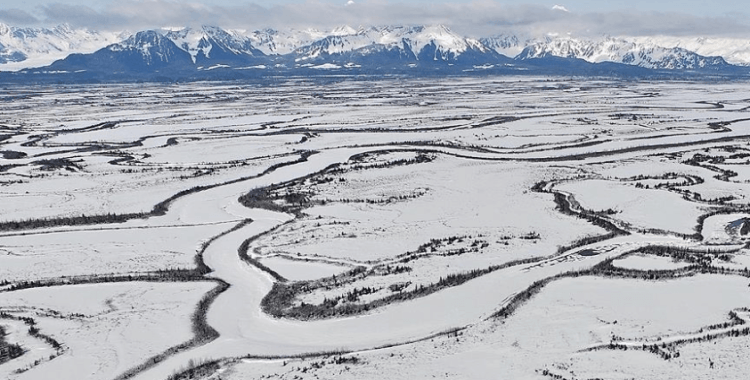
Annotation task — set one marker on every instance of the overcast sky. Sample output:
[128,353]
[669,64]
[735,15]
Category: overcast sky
[477,18]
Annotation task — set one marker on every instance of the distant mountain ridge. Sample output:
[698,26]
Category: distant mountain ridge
[376,49]
[210,42]
[622,51]
[29,47]
[420,43]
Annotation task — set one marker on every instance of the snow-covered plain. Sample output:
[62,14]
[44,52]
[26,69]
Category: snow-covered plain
[105,328]
[418,228]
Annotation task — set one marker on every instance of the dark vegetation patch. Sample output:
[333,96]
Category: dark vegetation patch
[567,205]
[196,370]
[245,256]
[36,333]
[12,155]
[452,246]
[164,275]
[279,302]
[296,195]
[341,362]
[691,256]
[670,350]
[8,351]
[676,187]
[496,120]
[71,221]
[59,164]
[710,162]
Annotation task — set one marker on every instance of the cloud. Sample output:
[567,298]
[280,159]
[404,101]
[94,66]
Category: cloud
[659,23]
[478,18]
[81,16]
[17,17]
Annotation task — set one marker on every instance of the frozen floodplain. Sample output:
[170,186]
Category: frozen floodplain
[375,229]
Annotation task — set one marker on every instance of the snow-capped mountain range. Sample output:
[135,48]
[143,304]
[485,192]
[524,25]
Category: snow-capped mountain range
[420,43]
[208,48]
[209,42]
[735,51]
[275,42]
[643,54]
[31,47]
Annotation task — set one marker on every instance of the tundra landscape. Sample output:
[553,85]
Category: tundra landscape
[317,228]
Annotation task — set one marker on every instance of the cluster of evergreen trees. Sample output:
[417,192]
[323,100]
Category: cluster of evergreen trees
[279,302]
[710,162]
[8,351]
[440,247]
[668,351]
[11,351]
[162,275]
[362,164]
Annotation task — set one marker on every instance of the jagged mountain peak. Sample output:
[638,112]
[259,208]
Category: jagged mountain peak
[4,29]
[434,30]
[64,28]
[141,39]
[151,46]
[203,42]
[343,30]
[508,45]
[732,49]
[430,42]
[446,43]
[280,42]
[620,50]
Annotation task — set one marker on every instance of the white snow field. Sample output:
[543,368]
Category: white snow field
[104,328]
[512,228]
